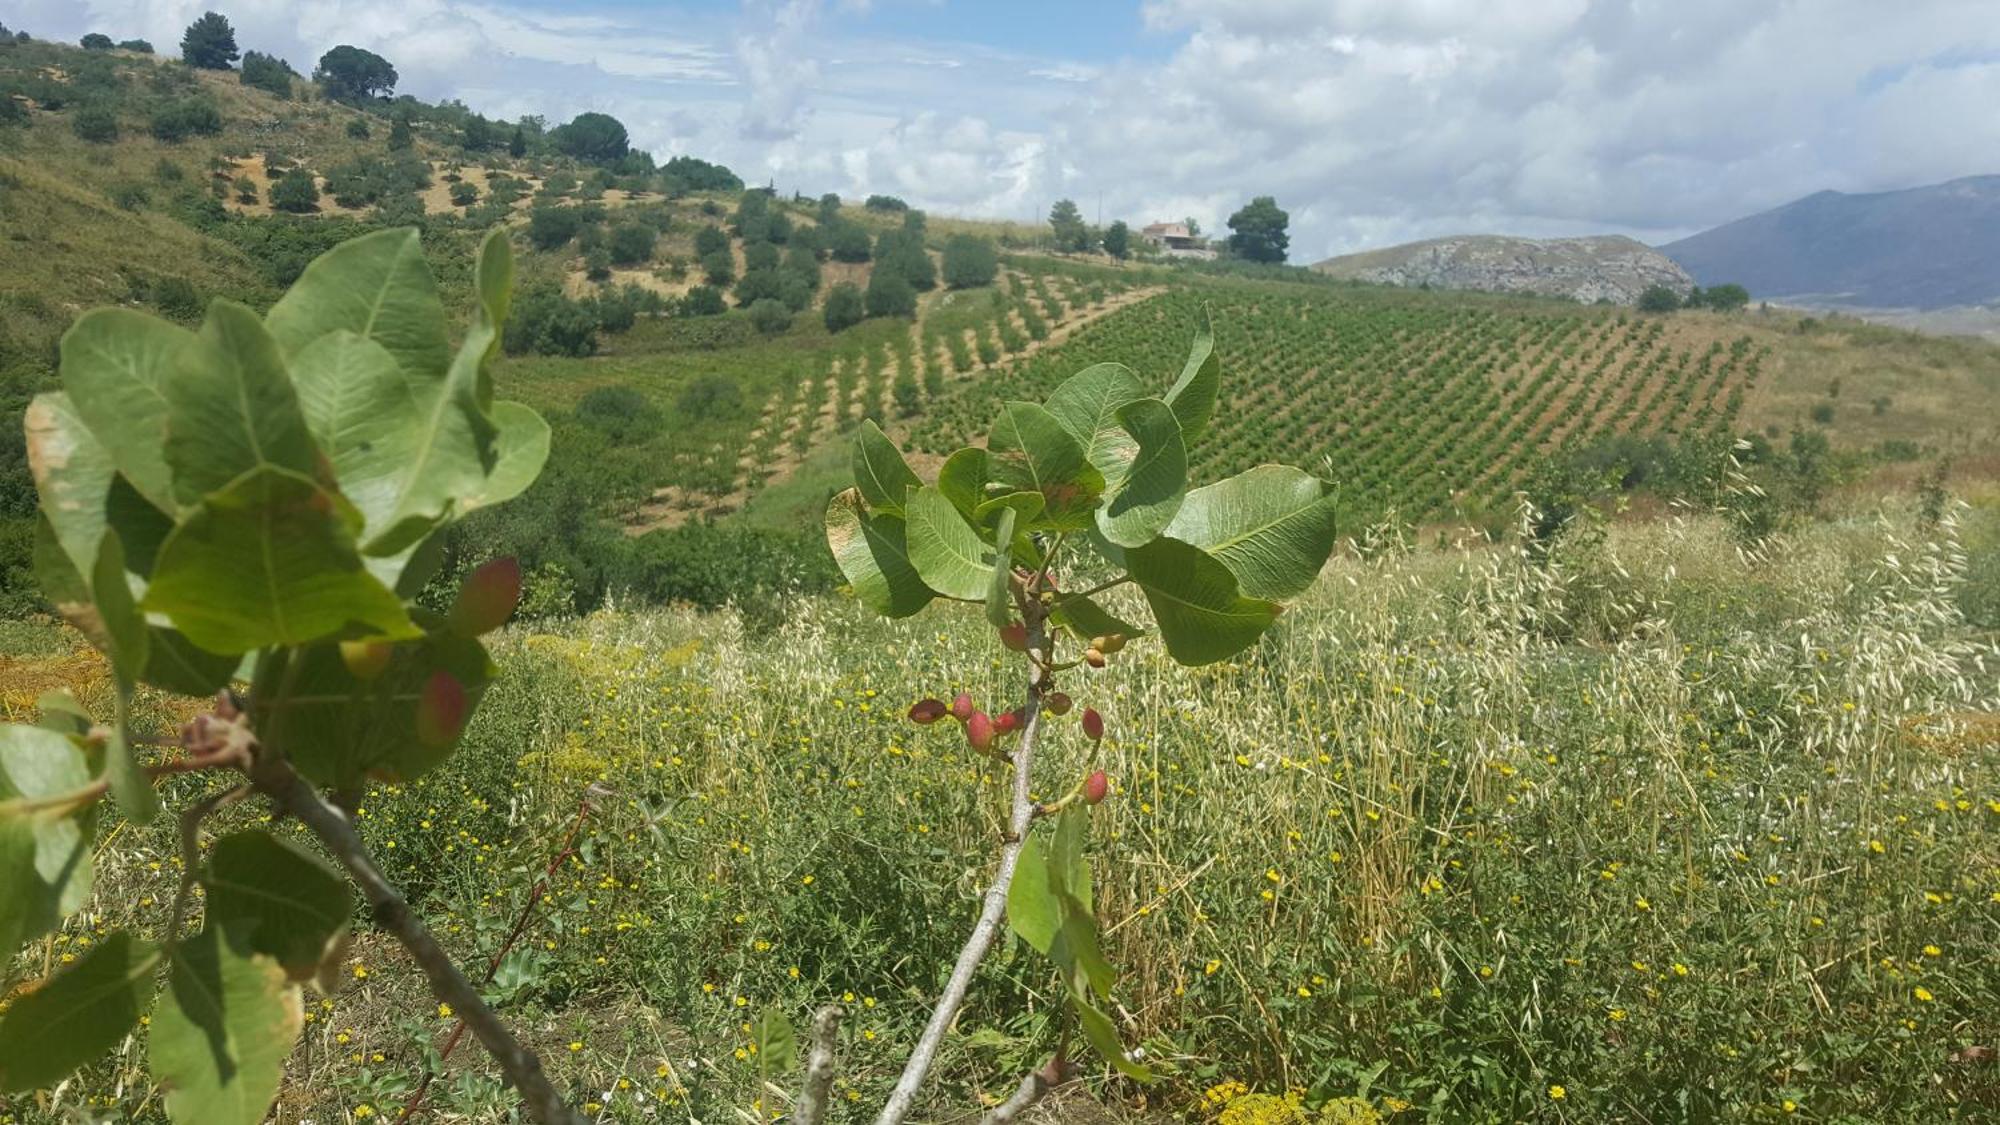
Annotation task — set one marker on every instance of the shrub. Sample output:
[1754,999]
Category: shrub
[770,316]
[268,73]
[703,300]
[889,293]
[711,398]
[463,194]
[547,323]
[1659,299]
[719,267]
[295,192]
[186,117]
[620,413]
[848,242]
[96,41]
[710,239]
[246,190]
[844,308]
[136,46]
[885,203]
[700,175]
[357,128]
[969,262]
[95,123]
[632,244]
[757,285]
[551,227]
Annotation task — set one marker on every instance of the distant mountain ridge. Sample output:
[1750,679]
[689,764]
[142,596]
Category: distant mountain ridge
[1598,268]
[1929,247]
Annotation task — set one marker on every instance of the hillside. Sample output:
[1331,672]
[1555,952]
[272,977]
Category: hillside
[676,407]
[1932,247]
[1606,268]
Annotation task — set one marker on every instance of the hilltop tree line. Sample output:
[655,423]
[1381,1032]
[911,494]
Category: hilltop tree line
[1258,232]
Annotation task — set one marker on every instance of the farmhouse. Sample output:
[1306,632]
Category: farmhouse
[1175,240]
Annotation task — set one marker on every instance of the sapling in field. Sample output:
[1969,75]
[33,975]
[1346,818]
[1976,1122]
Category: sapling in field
[1093,480]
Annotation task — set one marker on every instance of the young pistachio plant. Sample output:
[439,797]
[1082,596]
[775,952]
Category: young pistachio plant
[255,503]
[1100,468]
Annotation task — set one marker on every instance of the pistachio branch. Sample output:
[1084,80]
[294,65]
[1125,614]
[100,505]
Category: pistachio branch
[987,929]
[815,1094]
[275,778]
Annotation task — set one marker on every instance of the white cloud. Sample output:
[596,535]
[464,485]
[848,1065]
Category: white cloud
[1371,120]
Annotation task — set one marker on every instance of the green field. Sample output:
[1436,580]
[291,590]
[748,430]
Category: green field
[1691,838]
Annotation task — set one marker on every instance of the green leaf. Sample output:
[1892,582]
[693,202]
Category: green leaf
[141,527]
[270,560]
[999,605]
[1202,616]
[340,731]
[880,472]
[1034,912]
[61,713]
[1025,506]
[45,855]
[376,286]
[364,413]
[1193,395]
[116,364]
[872,552]
[777,1043]
[493,277]
[457,436]
[222,1030]
[1144,497]
[948,554]
[1272,526]
[64,585]
[1069,864]
[124,626]
[1087,404]
[520,449]
[78,1014]
[1077,951]
[291,902]
[1029,451]
[232,409]
[962,478]
[174,663]
[1085,619]
[1103,1035]
[73,474]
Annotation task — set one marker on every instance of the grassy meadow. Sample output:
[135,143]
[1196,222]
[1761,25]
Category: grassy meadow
[1646,830]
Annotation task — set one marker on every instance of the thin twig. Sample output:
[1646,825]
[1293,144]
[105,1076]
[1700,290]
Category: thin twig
[568,849]
[274,777]
[987,929]
[815,1094]
[191,819]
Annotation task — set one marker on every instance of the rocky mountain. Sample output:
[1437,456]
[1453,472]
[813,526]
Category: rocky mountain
[1922,248]
[1601,268]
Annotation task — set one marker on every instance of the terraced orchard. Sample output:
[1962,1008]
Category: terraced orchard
[1416,406]
[887,372]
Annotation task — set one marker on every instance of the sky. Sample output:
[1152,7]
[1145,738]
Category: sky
[1371,121]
